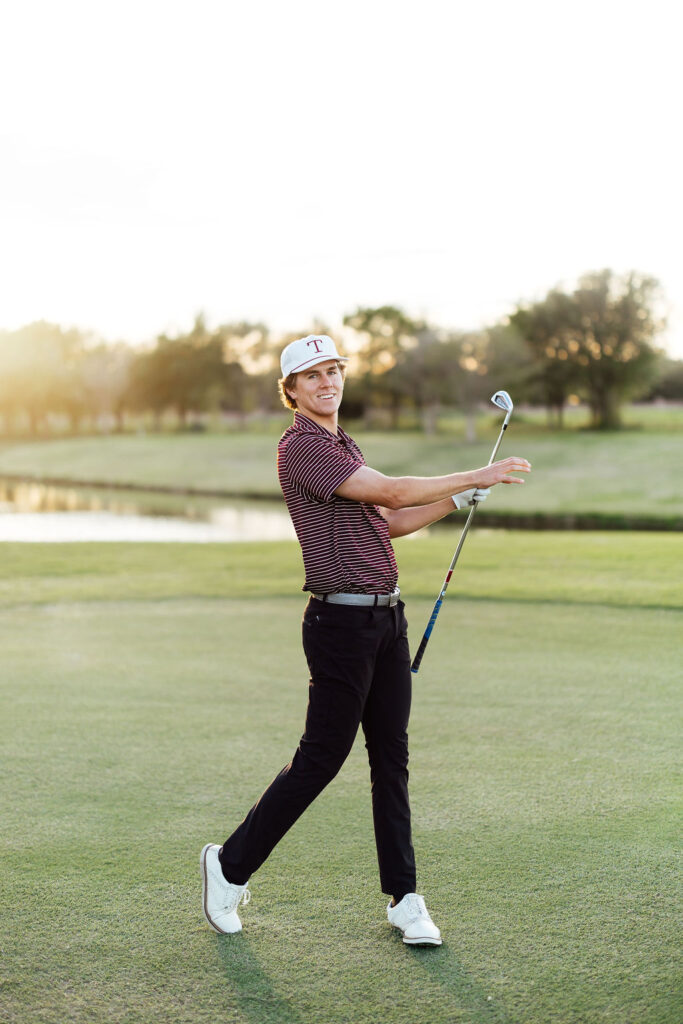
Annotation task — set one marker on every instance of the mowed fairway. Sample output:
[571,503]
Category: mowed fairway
[150,692]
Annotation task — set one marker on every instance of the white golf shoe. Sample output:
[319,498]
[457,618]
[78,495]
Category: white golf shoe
[412,918]
[220,898]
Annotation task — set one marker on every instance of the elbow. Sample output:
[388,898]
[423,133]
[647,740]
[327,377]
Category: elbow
[395,497]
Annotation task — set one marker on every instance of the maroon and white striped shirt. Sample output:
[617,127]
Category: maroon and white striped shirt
[345,544]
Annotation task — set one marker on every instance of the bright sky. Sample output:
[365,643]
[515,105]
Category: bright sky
[283,161]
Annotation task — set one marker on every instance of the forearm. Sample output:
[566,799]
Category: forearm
[401,492]
[412,491]
[407,520]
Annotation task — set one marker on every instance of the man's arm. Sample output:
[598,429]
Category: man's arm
[405,492]
[407,520]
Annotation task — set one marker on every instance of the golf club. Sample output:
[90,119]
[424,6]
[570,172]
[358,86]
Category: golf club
[503,401]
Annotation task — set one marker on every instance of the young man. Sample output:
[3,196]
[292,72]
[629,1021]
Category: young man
[354,636]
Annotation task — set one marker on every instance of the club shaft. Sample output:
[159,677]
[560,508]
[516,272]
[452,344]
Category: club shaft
[414,668]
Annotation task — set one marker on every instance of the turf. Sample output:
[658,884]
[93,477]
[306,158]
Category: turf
[612,569]
[149,692]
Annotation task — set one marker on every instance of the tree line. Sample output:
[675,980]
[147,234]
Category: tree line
[595,343]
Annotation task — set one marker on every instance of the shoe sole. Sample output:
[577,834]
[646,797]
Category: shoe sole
[425,940]
[422,942]
[205,884]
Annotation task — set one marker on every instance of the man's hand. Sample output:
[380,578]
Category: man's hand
[501,472]
[471,497]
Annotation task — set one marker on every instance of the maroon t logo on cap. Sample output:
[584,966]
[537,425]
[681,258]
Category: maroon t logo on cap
[316,342]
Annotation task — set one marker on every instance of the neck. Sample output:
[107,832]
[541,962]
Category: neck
[328,422]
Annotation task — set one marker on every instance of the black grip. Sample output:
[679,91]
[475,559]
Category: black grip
[420,653]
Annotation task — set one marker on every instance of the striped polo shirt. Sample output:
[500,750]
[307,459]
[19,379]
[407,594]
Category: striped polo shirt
[345,544]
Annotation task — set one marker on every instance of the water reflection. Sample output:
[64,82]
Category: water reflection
[42,512]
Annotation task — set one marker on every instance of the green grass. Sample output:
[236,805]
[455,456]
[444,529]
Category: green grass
[627,473]
[635,570]
[150,692]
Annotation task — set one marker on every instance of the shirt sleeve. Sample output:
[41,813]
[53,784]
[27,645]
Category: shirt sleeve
[318,465]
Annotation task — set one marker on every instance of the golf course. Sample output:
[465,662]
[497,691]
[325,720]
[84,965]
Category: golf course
[341,513]
[151,691]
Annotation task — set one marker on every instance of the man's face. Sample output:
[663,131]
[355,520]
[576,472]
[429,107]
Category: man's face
[318,391]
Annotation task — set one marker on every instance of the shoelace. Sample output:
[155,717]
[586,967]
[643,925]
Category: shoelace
[416,907]
[243,898]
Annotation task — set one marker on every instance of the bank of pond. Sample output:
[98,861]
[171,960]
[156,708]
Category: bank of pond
[57,510]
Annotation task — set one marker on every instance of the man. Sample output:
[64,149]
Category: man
[354,636]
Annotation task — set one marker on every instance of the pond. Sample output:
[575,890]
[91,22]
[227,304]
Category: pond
[46,513]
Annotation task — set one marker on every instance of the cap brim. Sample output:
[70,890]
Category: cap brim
[314,362]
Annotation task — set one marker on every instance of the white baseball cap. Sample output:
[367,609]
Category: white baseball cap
[306,352]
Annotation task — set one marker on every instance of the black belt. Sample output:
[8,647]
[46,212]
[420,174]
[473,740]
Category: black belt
[373,600]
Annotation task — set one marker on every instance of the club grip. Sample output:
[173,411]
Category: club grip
[415,667]
[428,632]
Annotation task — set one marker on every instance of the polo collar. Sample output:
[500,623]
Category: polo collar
[305,425]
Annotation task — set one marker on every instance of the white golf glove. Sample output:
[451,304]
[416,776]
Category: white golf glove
[471,497]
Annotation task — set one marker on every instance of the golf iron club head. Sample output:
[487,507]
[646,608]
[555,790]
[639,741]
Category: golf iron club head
[503,401]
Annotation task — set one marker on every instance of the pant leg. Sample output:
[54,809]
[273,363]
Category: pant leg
[340,643]
[385,724]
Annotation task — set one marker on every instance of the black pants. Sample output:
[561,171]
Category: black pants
[360,673]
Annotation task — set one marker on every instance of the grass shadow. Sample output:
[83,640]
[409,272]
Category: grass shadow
[443,967]
[254,994]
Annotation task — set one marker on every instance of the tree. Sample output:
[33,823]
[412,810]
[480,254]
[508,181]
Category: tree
[509,363]
[668,383]
[190,373]
[421,375]
[105,374]
[250,363]
[146,391]
[615,327]
[597,340]
[193,370]
[446,368]
[548,327]
[388,334]
[40,373]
